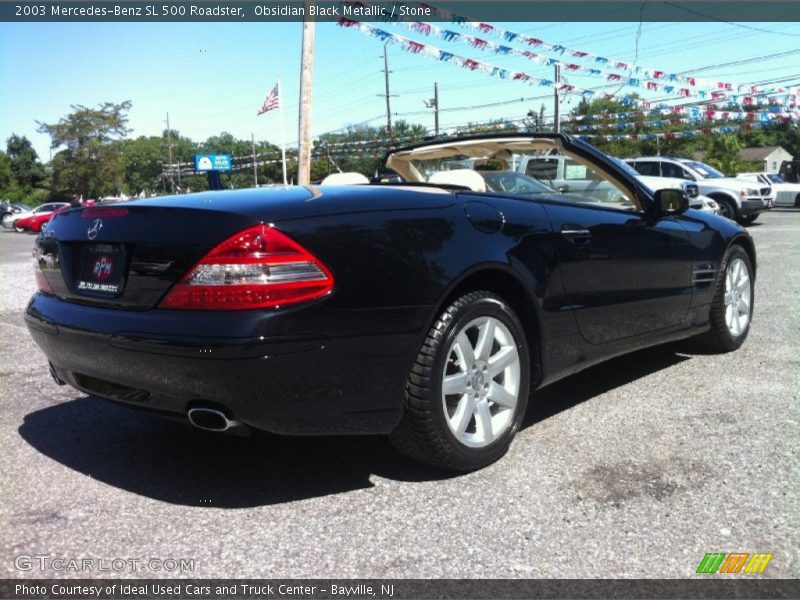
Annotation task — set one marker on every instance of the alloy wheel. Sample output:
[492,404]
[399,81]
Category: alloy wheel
[738,297]
[481,382]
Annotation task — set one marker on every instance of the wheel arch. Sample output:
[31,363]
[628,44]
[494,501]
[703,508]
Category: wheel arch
[746,242]
[505,282]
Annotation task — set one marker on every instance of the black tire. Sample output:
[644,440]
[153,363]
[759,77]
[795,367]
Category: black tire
[719,338]
[18,229]
[424,433]
[797,201]
[727,208]
[748,220]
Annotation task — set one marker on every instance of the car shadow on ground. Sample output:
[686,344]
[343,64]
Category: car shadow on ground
[171,462]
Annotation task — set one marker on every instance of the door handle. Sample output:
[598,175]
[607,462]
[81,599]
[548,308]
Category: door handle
[578,232]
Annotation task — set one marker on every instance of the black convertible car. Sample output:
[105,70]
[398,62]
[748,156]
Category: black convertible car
[427,309]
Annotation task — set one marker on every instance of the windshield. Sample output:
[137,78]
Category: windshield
[775,178]
[514,183]
[703,169]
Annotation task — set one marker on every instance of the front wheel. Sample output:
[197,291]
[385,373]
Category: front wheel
[732,306]
[468,389]
[726,208]
[18,229]
[748,220]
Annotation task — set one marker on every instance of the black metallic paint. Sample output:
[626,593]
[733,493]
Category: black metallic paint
[397,254]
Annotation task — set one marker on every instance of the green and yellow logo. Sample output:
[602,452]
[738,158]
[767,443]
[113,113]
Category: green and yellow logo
[735,562]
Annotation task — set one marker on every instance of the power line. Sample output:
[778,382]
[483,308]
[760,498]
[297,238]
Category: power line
[696,12]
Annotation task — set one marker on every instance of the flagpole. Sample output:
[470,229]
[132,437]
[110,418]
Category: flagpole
[283,130]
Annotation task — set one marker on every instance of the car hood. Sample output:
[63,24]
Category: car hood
[730,183]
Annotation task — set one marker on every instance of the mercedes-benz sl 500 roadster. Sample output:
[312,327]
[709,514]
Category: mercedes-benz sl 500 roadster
[428,310]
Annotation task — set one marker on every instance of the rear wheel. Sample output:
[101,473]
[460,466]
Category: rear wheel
[468,390]
[797,201]
[732,307]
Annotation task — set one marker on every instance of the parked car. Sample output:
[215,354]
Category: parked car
[42,209]
[9,211]
[790,171]
[426,310]
[761,179]
[697,200]
[35,222]
[786,194]
[566,175]
[742,203]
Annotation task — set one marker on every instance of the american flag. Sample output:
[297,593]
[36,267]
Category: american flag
[272,101]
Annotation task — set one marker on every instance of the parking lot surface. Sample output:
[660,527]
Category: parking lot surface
[634,468]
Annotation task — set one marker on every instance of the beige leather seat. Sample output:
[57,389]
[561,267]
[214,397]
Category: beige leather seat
[464,177]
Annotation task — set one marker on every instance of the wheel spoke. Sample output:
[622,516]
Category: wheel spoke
[464,351]
[744,302]
[463,414]
[743,283]
[483,421]
[503,358]
[501,396]
[455,384]
[485,340]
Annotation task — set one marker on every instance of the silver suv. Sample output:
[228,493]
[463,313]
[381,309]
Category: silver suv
[740,200]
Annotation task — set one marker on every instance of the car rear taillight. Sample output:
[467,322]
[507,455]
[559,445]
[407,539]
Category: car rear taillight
[259,267]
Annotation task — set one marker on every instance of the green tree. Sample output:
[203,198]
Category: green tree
[6,175]
[723,153]
[90,164]
[26,169]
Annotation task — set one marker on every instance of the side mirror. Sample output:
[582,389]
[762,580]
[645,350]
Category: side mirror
[563,189]
[671,202]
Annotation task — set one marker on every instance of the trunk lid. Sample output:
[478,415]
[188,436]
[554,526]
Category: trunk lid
[128,255]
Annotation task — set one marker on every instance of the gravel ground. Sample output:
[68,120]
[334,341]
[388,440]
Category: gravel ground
[634,468]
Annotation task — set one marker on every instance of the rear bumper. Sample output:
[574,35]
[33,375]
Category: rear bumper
[292,385]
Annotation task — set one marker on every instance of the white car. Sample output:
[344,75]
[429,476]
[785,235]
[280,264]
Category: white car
[567,176]
[786,194]
[740,200]
[696,199]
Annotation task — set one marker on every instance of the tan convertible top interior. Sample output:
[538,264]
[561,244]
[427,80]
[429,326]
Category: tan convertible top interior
[401,162]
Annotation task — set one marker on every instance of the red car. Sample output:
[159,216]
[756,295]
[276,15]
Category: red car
[35,222]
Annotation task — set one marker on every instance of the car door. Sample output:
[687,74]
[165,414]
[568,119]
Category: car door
[624,273]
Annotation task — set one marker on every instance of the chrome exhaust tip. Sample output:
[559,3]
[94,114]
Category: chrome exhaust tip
[210,419]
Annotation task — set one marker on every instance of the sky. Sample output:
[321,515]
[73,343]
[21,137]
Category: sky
[213,77]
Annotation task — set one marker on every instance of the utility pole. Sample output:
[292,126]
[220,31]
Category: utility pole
[434,104]
[387,94]
[306,74]
[169,153]
[557,107]
[255,167]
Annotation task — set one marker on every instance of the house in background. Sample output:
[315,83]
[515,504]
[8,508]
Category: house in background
[770,157]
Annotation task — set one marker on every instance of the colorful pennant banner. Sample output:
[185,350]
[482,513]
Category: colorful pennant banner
[575,54]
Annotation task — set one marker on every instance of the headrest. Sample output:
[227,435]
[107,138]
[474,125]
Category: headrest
[345,179]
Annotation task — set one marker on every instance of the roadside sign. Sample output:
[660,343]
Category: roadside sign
[203,163]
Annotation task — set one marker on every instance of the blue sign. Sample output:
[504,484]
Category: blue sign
[212,162]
